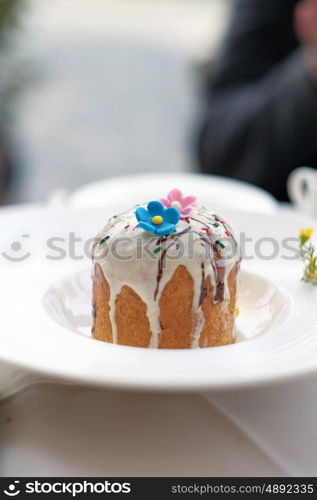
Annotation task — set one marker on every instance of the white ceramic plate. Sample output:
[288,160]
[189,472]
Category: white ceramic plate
[218,192]
[278,311]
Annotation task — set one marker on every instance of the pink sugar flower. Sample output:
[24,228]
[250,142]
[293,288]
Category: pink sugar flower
[175,198]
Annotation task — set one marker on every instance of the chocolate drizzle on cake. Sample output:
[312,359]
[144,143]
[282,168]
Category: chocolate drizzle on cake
[212,253]
[220,284]
[203,288]
[203,243]
[174,237]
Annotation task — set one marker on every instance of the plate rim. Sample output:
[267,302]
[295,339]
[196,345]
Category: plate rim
[265,378]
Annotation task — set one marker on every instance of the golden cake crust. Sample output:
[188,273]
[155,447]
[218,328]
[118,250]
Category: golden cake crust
[177,316]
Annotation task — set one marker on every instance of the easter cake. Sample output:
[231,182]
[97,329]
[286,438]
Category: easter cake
[165,276]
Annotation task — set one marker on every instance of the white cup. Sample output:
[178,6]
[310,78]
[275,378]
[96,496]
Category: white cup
[302,189]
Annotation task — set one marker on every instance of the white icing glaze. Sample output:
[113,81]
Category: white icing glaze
[198,325]
[128,257]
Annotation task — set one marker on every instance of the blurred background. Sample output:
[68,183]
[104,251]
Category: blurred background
[95,88]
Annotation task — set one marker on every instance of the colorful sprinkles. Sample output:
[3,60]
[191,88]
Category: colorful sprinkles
[157,249]
[220,244]
[104,239]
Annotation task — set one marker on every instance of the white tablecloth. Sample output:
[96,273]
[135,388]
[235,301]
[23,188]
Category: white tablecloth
[74,430]
[61,430]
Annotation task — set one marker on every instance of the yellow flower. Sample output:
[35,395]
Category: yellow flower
[306,234]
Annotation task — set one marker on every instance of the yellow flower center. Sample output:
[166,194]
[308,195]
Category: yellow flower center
[157,219]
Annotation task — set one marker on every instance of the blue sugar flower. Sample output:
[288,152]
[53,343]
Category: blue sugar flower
[157,219]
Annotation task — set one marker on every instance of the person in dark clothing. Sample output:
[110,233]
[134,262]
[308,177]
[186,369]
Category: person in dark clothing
[261,118]
[6,170]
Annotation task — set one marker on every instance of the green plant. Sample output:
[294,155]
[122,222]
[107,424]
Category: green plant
[12,70]
[308,255]
[9,15]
